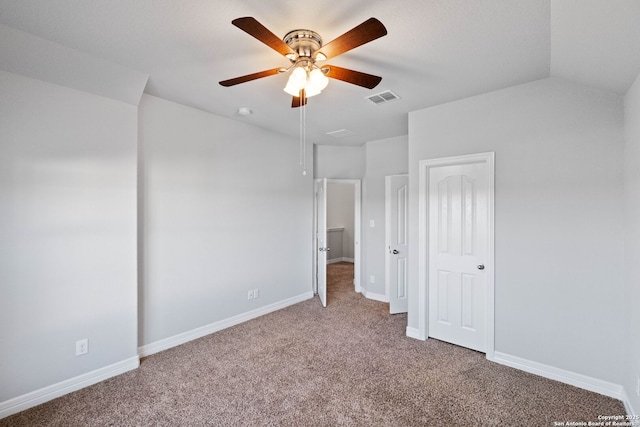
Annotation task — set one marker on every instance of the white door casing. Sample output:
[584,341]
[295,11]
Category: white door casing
[321,240]
[396,241]
[455,251]
[320,218]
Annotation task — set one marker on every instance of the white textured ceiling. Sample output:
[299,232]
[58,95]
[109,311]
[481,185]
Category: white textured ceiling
[436,51]
[596,42]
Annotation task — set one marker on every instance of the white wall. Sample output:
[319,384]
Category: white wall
[225,210]
[558,216]
[339,162]
[340,214]
[31,56]
[383,157]
[67,233]
[632,244]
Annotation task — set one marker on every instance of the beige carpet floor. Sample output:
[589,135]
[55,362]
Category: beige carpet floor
[347,364]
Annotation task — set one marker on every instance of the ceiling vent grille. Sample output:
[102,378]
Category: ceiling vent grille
[383,97]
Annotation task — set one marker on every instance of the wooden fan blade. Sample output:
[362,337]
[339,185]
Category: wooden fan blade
[249,77]
[355,77]
[299,101]
[369,30]
[252,27]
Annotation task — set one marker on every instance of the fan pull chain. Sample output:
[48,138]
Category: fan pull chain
[300,130]
[304,140]
[303,133]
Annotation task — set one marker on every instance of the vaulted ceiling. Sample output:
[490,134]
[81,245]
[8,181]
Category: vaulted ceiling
[436,51]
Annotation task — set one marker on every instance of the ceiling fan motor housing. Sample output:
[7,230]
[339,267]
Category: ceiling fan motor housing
[303,42]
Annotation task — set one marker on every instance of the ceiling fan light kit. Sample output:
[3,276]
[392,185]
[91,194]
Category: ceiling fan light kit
[306,74]
[313,81]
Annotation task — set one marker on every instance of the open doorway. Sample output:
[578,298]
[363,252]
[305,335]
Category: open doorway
[341,244]
[340,222]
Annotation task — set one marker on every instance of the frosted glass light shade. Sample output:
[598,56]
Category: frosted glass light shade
[318,80]
[291,90]
[310,91]
[297,81]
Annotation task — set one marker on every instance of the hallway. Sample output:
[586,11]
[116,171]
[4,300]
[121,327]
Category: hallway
[339,281]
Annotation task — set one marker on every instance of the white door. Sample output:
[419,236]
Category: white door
[397,205]
[458,230]
[321,240]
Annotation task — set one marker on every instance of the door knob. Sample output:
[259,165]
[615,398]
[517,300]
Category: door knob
[481,267]
[395,252]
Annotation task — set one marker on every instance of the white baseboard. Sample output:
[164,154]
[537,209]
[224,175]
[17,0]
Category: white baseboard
[34,398]
[374,296]
[343,259]
[414,333]
[167,343]
[628,406]
[578,380]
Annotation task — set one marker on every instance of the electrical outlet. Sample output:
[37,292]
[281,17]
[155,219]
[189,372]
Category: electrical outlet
[250,295]
[256,293]
[372,279]
[82,347]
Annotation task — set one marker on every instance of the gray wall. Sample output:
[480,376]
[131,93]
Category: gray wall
[214,196]
[67,233]
[558,216]
[632,283]
[225,210]
[340,214]
[383,157]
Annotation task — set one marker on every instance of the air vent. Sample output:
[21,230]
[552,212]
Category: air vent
[342,133]
[383,97]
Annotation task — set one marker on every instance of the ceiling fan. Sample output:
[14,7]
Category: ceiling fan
[303,48]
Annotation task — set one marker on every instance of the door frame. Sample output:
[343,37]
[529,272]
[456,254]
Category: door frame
[387,232]
[423,242]
[357,237]
[320,184]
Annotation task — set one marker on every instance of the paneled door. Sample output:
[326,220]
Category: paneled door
[458,218]
[396,224]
